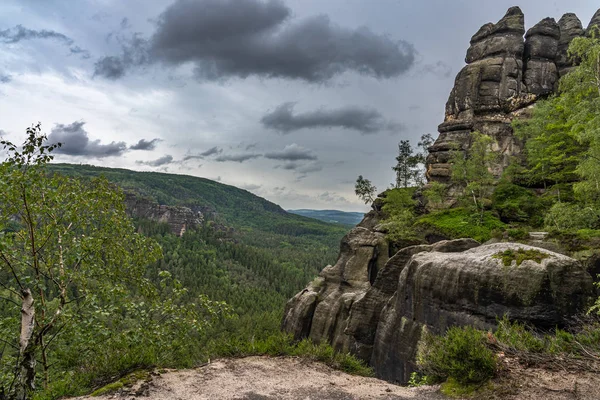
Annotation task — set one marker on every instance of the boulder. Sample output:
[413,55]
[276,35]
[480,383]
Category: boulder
[438,290]
[432,287]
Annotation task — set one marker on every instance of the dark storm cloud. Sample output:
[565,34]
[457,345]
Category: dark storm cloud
[144,144]
[84,54]
[301,170]
[241,157]
[168,159]
[292,152]
[19,33]
[5,78]
[134,53]
[125,24]
[75,142]
[241,38]
[364,120]
[210,152]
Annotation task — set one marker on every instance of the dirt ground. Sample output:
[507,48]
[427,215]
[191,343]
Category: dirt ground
[265,378]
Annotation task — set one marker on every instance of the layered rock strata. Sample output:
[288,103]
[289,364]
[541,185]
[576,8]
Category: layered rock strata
[376,306]
[505,74]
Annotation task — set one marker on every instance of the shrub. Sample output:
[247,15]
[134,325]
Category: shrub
[571,216]
[514,203]
[399,209]
[516,336]
[518,234]
[461,354]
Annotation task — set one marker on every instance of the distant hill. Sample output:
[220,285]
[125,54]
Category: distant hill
[331,216]
[234,206]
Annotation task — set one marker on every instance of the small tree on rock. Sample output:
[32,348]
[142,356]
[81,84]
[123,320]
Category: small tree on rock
[365,190]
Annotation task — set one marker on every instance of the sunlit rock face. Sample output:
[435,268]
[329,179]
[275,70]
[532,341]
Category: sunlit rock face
[507,71]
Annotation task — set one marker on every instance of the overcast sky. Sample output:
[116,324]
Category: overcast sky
[289,99]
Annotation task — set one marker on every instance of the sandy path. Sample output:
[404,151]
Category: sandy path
[264,378]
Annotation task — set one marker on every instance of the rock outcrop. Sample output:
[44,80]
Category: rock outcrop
[377,306]
[178,218]
[505,74]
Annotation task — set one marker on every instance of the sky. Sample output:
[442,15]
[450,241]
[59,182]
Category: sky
[288,99]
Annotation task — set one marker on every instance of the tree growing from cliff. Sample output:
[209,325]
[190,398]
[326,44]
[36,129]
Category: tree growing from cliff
[365,190]
[407,165]
[71,270]
[472,171]
[409,171]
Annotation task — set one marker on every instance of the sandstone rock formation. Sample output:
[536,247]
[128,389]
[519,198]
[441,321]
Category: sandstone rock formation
[377,306]
[505,74]
[178,218]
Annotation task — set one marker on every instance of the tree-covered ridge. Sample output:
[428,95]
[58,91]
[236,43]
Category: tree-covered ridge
[234,206]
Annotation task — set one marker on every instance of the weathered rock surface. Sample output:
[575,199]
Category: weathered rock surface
[505,74]
[377,306]
[570,28]
[178,218]
[439,290]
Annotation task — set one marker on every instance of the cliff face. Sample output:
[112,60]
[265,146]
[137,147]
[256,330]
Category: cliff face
[178,218]
[505,74]
[376,305]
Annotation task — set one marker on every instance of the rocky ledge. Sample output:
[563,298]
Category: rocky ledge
[376,305]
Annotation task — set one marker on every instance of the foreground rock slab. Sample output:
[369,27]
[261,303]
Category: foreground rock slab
[263,378]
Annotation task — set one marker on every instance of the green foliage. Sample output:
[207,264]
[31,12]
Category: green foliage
[75,253]
[566,216]
[473,172]
[226,205]
[281,344]
[517,336]
[514,203]
[407,165]
[399,213]
[518,233]
[552,149]
[581,341]
[458,223]
[455,389]
[435,193]
[126,381]
[407,168]
[462,354]
[416,379]
[365,190]
[520,255]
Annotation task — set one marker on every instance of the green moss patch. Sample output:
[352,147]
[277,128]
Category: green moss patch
[126,381]
[520,255]
[459,223]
